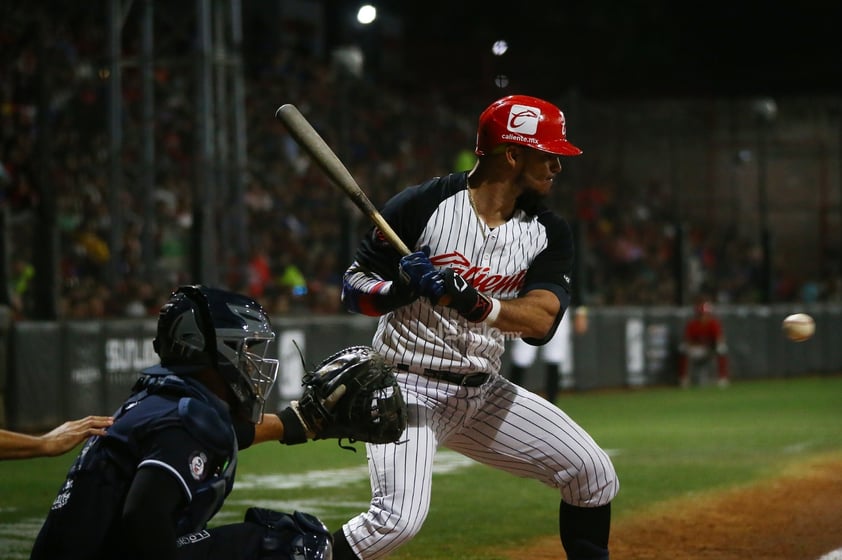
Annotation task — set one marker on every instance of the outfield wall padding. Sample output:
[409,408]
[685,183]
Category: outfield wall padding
[68,369]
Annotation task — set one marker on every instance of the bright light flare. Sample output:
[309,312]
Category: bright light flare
[499,48]
[366,14]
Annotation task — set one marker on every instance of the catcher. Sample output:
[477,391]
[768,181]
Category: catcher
[148,487]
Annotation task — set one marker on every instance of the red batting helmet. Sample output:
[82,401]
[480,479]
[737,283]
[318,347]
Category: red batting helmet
[525,120]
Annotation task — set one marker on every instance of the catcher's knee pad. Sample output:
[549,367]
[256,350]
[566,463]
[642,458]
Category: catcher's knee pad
[295,536]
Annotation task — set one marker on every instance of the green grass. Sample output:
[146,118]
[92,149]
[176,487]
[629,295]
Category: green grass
[666,443]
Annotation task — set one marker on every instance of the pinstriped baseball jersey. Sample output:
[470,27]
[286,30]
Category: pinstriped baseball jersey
[529,251]
[448,366]
[496,423]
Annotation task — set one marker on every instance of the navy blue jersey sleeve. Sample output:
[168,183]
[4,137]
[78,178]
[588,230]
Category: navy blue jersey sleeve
[552,268]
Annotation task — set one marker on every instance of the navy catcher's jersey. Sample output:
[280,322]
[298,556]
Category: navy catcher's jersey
[174,424]
[531,250]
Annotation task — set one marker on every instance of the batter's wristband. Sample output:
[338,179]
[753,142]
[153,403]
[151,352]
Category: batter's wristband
[495,311]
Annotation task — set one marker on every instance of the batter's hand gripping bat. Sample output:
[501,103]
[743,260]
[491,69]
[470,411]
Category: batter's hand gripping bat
[307,137]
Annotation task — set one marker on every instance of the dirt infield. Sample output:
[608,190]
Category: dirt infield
[797,516]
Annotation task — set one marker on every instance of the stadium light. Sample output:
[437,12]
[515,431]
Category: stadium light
[366,14]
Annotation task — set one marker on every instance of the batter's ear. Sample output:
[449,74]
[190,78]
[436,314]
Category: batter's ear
[512,153]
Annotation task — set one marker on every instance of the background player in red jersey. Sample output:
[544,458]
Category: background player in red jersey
[490,258]
[703,346]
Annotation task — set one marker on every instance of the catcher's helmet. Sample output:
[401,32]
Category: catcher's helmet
[201,327]
[525,120]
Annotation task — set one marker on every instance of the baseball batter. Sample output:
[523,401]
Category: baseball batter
[490,258]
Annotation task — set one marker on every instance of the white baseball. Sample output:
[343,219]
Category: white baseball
[799,327]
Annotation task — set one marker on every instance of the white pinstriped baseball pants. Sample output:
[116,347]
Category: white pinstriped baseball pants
[498,424]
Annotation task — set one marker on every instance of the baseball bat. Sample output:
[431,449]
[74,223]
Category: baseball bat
[307,137]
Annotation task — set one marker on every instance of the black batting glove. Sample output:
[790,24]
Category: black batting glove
[464,298]
[418,273]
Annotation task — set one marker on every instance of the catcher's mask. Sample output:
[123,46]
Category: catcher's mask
[202,327]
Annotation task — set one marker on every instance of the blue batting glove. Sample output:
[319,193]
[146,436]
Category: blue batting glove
[420,275]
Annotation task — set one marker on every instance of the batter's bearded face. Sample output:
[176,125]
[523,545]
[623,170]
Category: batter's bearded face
[538,172]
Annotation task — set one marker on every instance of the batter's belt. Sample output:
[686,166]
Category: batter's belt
[462,379]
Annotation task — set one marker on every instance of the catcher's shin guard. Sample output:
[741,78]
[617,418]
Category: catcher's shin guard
[296,535]
[584,531]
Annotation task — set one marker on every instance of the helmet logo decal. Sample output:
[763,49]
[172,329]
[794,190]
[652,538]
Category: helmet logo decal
[523,119]
[197,465]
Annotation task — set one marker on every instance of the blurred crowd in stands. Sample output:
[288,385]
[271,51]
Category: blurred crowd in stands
[298,226]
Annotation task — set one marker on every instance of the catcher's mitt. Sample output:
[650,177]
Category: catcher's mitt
[352,395]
